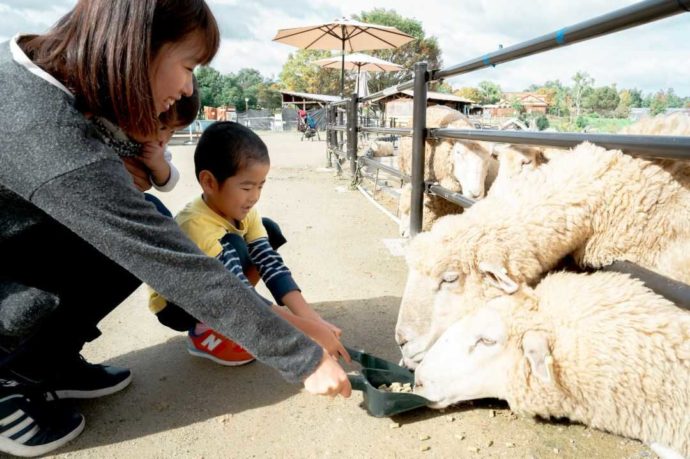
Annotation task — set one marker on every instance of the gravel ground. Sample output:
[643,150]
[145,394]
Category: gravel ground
[181,406]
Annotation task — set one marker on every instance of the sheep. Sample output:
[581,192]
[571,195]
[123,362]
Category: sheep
[597,205]
[601,349]
[379,148]
[673,124]
[457,165]
[435,207]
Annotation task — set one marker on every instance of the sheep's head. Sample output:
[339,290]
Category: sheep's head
[441,288]
[471,360]
[471,166]
[479,356]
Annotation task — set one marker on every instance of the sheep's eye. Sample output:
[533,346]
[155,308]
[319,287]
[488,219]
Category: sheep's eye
[449,277]
[482,340]
[486,341]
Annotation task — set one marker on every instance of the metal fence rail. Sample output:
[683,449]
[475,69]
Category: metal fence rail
[646,146]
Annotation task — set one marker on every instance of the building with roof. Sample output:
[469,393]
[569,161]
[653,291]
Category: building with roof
[306,101]
[397,107]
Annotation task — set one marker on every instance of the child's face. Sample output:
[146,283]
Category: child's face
[236,196]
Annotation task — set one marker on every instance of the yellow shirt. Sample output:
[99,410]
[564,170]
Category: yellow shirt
[206,228]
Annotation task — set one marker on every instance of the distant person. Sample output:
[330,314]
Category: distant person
[77,237]
[231,164]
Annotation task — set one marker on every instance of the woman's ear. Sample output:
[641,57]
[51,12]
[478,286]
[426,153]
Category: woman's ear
[208,182]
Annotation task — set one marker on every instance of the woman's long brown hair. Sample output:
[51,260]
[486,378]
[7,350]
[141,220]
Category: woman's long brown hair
[102,51]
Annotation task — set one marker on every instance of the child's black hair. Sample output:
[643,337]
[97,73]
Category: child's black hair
[226,147]
[185,110]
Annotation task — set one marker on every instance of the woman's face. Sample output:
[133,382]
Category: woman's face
[171,71]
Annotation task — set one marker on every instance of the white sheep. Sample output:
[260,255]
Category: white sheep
[457,165]
[434,207]
[673,124]
[601,349]
[598,205]
[380,148]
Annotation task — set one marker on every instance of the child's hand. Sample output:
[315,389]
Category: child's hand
[153,157]
[328,379]
[336,331]
[319,331]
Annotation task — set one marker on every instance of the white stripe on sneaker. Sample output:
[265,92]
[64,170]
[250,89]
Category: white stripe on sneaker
[19,427]
[28,436]
[11,418]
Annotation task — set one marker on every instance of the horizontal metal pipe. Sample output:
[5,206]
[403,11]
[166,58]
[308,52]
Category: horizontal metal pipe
[621,19]
[389,91]
[336,127]
[677,292]
[383,167]
[394,131]
[660,146]
[455,198]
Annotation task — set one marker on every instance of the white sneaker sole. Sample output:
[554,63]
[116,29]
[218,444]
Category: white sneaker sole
[225,363]
[86,394]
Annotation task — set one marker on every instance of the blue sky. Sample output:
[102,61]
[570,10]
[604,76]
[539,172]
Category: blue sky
[650,57]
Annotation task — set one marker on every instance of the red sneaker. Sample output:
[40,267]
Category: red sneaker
[216,347]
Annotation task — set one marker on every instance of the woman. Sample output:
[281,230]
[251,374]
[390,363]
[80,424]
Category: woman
[76,236]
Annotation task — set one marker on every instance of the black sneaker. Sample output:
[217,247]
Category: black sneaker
[81,379]
[30,426]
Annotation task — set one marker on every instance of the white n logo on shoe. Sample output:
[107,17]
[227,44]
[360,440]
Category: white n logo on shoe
[211,342]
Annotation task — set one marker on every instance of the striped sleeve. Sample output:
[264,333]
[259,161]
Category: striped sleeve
[273,271]
[231,260]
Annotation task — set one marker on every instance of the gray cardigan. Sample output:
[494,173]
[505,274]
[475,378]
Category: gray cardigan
[53,162]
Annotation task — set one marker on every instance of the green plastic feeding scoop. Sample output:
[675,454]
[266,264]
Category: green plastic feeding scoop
[375,372]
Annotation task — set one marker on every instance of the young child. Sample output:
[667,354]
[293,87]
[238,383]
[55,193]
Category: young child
[231,164]
[147,158]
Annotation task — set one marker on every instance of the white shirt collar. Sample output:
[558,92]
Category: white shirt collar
[23,60]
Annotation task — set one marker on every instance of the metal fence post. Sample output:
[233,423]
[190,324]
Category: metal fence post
[421,77]
[352,134]
[329,136]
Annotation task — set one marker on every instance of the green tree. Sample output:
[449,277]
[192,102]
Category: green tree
[211,86]
[672,100]
[583,84]
[300,75]
[635,97]
[658,104]
[489,92]
[472,94]
[602,100]
[424,48]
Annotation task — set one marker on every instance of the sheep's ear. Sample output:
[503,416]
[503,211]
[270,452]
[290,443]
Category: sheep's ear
[535,346]
[498,276]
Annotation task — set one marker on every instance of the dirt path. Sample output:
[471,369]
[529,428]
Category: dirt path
[180,406]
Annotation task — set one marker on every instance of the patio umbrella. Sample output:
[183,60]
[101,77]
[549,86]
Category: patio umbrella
[344,35]
[360,63]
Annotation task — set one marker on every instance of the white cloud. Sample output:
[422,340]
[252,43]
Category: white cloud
[650,57]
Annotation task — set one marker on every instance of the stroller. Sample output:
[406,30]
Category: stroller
[307,125]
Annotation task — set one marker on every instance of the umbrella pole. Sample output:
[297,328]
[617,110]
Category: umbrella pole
[342,67]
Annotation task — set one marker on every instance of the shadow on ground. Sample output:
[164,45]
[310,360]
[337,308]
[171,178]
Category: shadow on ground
[172,389]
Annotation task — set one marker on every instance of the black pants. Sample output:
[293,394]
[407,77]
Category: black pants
[175,317]
[87,285]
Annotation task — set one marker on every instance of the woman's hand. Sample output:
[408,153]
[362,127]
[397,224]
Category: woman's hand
[329,378]
[139,173]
